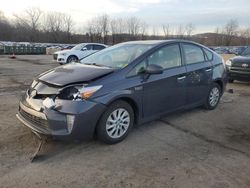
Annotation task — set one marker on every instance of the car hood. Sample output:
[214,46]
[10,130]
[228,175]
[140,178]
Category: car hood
[241,59]
[62,51]
[73,73]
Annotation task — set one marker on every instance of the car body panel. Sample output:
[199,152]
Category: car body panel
[56,120]
[74,73]
[151,96]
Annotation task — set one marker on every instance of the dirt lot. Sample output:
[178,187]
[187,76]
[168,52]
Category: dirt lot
[197,148]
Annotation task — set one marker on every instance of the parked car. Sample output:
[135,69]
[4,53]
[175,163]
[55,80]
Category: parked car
[239,67]
[222,50]
[78,52]
[239,50]
[106,93]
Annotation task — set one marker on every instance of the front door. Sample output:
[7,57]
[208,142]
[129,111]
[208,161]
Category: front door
[167,91]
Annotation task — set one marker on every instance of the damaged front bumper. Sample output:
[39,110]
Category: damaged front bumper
[67,120]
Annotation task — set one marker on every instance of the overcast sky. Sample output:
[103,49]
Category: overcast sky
[204,14]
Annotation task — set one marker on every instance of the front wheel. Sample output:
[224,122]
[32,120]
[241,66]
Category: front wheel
[72,58]
[213,97]
[115,123]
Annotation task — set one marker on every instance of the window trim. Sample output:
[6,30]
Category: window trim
[206,54]
[163,46]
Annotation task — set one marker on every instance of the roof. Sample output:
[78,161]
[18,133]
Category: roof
[156,42]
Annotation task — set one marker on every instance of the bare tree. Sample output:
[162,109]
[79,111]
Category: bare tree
[217,37]
[155,31]
[68,26]
[144,28]
[180,31]
[189,29]
[94,30]
[230,31]
[6,29]
[114,29]
[245,36]
[30,20]
[104,24]
[53,25]
[133,24]
[118,27]
[166,30]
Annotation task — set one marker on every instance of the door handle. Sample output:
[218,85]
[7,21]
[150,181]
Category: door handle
[208,70]
[181,78]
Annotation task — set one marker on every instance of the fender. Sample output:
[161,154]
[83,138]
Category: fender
[135,100]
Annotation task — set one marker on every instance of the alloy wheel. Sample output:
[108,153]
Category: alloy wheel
[214,96]
[118,123]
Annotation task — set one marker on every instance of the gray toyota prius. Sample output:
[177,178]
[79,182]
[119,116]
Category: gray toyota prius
[126,84]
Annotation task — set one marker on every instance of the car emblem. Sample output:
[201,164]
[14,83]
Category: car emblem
[33,93]
[244,65]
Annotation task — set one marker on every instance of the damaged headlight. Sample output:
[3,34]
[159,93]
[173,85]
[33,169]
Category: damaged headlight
[78,92]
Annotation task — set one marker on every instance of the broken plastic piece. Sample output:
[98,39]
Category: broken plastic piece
[42,141]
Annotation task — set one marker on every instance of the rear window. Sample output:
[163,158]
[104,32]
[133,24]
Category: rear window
[98,47]
[209,54]
[193,54]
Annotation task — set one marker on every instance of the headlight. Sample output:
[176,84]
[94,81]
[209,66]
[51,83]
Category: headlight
[229,63]
[78,92]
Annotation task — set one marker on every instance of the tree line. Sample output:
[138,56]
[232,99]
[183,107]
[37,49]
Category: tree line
[35,25]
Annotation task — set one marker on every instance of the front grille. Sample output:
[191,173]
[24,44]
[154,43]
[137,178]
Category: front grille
[55,56]
[238,69]
[36,121]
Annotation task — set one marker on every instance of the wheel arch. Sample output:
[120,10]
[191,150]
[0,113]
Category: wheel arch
[220,83]
[128,100]
[72,55]
[131,102]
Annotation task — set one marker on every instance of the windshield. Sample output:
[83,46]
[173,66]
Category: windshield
[118,56]
[78,47]
[246,52]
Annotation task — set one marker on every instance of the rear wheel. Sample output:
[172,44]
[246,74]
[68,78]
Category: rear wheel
[72,58]
[115,123]
[213,97]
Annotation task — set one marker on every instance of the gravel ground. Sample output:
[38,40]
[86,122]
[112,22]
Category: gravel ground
[196,148]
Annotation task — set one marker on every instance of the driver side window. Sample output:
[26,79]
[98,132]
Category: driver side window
[167,57]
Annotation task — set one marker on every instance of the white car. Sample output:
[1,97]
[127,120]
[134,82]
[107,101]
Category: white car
[78,52]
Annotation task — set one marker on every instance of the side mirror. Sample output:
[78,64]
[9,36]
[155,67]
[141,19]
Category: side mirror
[153,69]
[83,49]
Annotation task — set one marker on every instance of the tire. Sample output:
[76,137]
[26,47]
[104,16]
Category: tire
[113,128]
[230,80]
[213,97]
[72,58]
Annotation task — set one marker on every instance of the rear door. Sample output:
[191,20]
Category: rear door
[199,73]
